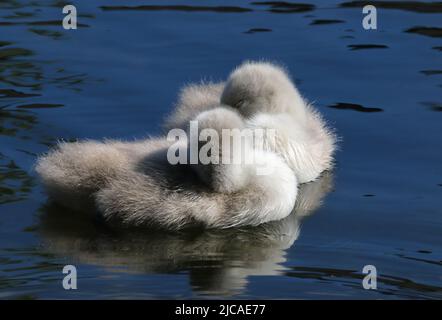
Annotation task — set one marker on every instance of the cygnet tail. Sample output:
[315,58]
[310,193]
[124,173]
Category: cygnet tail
[73,172]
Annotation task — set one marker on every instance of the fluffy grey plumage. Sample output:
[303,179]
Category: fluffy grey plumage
[133,183]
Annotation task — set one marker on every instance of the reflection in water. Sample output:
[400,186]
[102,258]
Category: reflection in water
[437,263]
[29,74]
[56,23]
[19,68]
[18,72]
[366,46]
[388,285]
[188,8]
[255,30]
[426,31]
[20,15]
[15,183]
[218,261]
[47,33]
[14,122]
[17,4]
[285,7]
[326,21]
[22,80]
[355,107]
[5,43]
[431,72]
[433,106]
[39,105]
[8,53]
[415,6]
[13,17]
[11,93]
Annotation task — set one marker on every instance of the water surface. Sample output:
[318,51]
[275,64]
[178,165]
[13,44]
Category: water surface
[118,75]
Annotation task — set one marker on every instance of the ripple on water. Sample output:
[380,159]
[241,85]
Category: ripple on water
[355,107]
[388,284]
[47,33]
[326,21]
[366,46]
[39,105]
[256,30]
[8,53]
[435,106]
[188,8]
[431,72]
[285,7]
[15,183]
[56,23]
[415,6]
[426,31]
[11,93]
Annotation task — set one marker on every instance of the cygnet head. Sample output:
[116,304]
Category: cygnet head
[218,164]
[262,87]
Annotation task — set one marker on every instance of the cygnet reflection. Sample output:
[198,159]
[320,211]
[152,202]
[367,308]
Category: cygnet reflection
[218,262]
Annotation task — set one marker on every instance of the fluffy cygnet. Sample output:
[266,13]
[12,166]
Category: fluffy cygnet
[266,97]
[133,183]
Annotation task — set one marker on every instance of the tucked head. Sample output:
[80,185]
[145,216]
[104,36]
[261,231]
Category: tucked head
[256,87]
[219,157]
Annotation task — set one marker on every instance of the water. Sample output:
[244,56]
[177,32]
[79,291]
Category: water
[118,76]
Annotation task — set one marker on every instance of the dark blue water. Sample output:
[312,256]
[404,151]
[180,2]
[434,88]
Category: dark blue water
[118,75]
